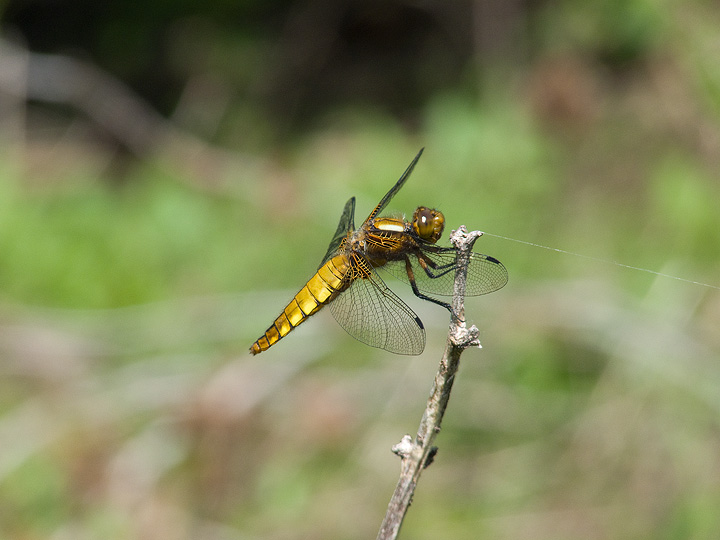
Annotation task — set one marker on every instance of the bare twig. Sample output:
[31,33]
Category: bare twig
[419,453]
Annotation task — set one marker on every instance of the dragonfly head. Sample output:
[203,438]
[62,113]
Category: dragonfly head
[428,223]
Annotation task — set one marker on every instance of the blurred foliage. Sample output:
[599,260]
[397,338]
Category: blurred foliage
[132,285]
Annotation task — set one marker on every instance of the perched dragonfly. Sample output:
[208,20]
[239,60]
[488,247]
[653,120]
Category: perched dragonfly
[347,280]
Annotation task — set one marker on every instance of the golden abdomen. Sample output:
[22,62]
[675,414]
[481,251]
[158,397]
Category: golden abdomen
[328,281]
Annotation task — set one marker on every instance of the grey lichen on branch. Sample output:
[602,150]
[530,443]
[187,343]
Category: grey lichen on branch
[416,454]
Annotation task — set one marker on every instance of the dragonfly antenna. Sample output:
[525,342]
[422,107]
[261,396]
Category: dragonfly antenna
[607,261]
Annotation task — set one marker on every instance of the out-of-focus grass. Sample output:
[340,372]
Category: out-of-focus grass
[131,409]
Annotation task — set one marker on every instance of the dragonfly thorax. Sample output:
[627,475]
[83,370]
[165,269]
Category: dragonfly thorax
[428,223]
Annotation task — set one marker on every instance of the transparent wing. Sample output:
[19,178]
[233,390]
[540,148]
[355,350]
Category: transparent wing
[485,274]
[370,312]
[347,223]
[390,194]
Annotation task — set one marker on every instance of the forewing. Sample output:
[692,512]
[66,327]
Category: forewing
[390,194]
[370,312]
[347,223]
[485,274]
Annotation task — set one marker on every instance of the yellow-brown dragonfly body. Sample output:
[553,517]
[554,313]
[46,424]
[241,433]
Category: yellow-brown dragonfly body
[359,299]
[332,278]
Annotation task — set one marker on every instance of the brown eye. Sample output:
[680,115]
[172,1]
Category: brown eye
[428,224]
[423,221]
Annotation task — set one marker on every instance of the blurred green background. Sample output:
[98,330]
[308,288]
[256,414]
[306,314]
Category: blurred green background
[171,173]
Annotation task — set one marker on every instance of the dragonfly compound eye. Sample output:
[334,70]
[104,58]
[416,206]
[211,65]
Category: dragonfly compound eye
[428,223]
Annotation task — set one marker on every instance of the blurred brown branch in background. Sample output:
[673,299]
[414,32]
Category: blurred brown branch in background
[113,108]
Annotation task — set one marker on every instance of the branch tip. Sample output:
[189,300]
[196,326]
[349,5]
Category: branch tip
[461,238]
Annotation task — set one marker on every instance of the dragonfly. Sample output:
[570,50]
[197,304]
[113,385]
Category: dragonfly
[348,282]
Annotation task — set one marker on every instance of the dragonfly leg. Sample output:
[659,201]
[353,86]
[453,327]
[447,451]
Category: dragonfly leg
[416,291]
[431,268]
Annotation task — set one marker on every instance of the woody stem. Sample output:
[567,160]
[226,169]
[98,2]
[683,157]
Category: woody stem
[417,454]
